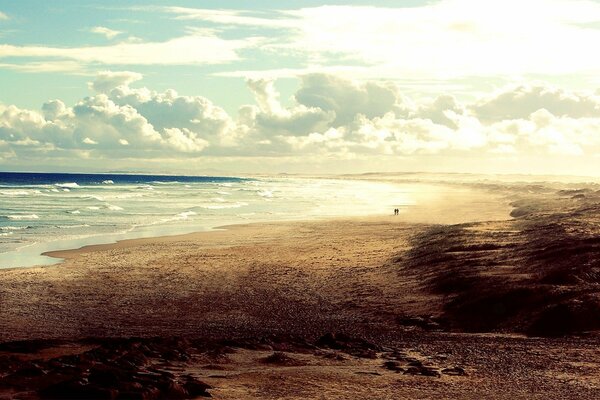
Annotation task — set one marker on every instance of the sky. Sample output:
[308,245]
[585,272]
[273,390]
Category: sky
[196,87]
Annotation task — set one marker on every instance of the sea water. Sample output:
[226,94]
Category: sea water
[42,212]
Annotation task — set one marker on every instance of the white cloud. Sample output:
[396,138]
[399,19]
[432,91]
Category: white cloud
[332,118]
[106,32]
[108,80]
[185,140]
[443,39]
[194,49]
[231,17]
[347,98]
[72,67]
[523,100]
[3,16]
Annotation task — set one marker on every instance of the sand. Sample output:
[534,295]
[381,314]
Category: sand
[420,290]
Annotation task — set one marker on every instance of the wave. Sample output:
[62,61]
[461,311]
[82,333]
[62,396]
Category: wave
[179,217]
[19,217]
[108,182]
[94,197]
[114,208]
[68,185]
[93,208]
[13,228]
[186,214]
[125,196]
[74,212]
[224,193]
[6,233]
[19,192]
[211,206]
[265,193]
[165,182]
[146,187]
[72,226]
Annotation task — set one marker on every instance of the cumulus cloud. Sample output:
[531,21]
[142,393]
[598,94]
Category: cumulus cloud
[108,80]
[330,117]
[106,32]
[3,16]
[347,98]
[270,118]
[523,100]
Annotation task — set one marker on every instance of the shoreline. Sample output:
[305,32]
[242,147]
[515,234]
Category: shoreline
[449,210]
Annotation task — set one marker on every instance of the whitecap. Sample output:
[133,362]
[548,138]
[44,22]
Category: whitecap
[22,216]
[224,193]
[186,214]
[72,226]
[114,208]
[108,182]
[15,192]
[6,233]
[74,212]
[13,228]
[67,185]
[210,206]
[265,193]
[93,208]
[179,217]
[99,198]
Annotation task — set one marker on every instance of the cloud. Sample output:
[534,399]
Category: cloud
[72,67]
[107,80]
[273,19]
[347,98]
[106,32]
[3,16]
[442,39]
[270,118]
[194,49]
[331,118]
[523,100]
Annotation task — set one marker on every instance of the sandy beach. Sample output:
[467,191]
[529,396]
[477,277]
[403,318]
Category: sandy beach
[457,299]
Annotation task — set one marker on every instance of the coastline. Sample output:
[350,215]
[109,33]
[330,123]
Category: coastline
[455,203]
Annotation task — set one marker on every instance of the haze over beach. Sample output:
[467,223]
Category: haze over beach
[300,199]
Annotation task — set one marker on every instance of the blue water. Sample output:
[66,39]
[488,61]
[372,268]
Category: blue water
[43,212]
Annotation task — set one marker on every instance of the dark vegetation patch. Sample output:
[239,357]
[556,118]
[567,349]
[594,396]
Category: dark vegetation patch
[539,274]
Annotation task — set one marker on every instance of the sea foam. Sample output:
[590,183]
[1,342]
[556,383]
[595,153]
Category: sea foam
[19,217]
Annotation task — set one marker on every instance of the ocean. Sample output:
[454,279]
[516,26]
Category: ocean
[42,212]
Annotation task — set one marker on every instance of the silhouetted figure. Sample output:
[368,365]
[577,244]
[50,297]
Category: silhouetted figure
[396,211]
